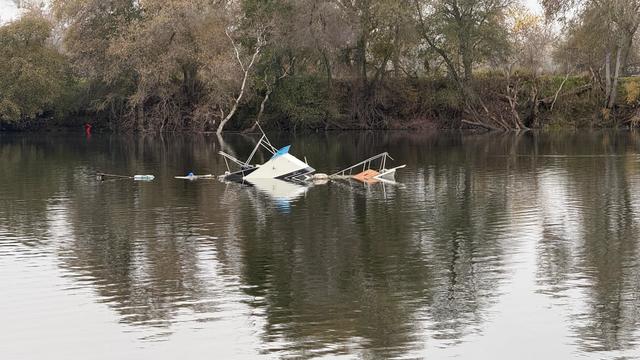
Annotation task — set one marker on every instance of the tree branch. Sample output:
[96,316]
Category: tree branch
[235,48]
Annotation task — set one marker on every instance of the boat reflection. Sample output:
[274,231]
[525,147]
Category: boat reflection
[282,192]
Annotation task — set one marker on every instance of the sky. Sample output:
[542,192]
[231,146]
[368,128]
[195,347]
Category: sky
[534,5]
[8,10]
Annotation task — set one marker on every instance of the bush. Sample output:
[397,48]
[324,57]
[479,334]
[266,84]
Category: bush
[34,77]
[303,100]
[631,88]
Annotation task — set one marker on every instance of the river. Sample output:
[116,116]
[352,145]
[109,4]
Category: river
[491,246]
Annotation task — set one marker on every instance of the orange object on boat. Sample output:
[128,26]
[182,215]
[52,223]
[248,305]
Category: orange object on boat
[366,175]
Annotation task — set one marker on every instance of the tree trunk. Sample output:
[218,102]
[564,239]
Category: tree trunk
[140,117]
[189,73]
[532,119]
[467,62]
[396,64]
[362,58]
[512,98]
[235,104]
[262,104]
[555,97]
[246,71]
[327,68]
[377,78]
[259,117]
[627,43]
[614,87]
[607,75]
[395,60]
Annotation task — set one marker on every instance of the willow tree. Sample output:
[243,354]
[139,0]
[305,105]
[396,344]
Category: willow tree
[34,76]
[160,65]
[184,72]
[89,29]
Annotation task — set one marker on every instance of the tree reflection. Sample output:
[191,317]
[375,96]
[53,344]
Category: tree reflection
[349,268]
[608,257]
[590,237]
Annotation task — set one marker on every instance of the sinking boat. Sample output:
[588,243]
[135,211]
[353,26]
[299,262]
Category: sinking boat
[370,170]
[282,165]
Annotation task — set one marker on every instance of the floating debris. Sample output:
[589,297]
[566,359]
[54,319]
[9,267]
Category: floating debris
[103,176]
[371,170]
[143,177]
[191,176]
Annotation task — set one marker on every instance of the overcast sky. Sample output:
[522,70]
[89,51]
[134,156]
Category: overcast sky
[8,10]
[534,5]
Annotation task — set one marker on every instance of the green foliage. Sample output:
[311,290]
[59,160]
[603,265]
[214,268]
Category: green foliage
[34,76]
[465,33]
[302,99]
[163,65]
[447,98]
[549,84]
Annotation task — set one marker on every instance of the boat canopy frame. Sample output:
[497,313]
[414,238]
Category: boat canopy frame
[365,164]
[263,142]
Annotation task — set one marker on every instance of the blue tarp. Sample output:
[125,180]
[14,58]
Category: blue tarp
[282,151]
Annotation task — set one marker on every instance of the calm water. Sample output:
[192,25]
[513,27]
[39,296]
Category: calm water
[493,247]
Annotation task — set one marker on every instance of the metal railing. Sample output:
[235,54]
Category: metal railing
[365,164]
[264,142]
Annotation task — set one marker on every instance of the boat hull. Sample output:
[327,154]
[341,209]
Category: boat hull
[282,167]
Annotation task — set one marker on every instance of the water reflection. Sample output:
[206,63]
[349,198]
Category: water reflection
[422,269]
[280,193]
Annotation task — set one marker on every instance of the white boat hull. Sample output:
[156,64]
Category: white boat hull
[283,167]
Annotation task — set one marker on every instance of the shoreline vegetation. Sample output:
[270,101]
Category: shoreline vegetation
[296,65]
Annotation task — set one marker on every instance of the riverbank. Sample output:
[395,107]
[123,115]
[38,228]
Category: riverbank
[307,104]
[539,102]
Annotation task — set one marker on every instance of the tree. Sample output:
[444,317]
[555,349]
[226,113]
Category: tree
[34,76]
[530,41]
[161,65]
[600,32]
[89,27]
[182,65]
[246,68]
[381,29]
[463,33]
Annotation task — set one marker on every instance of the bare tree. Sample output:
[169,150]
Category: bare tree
[246,69]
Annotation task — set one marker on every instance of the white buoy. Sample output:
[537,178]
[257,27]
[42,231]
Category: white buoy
[143,177]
